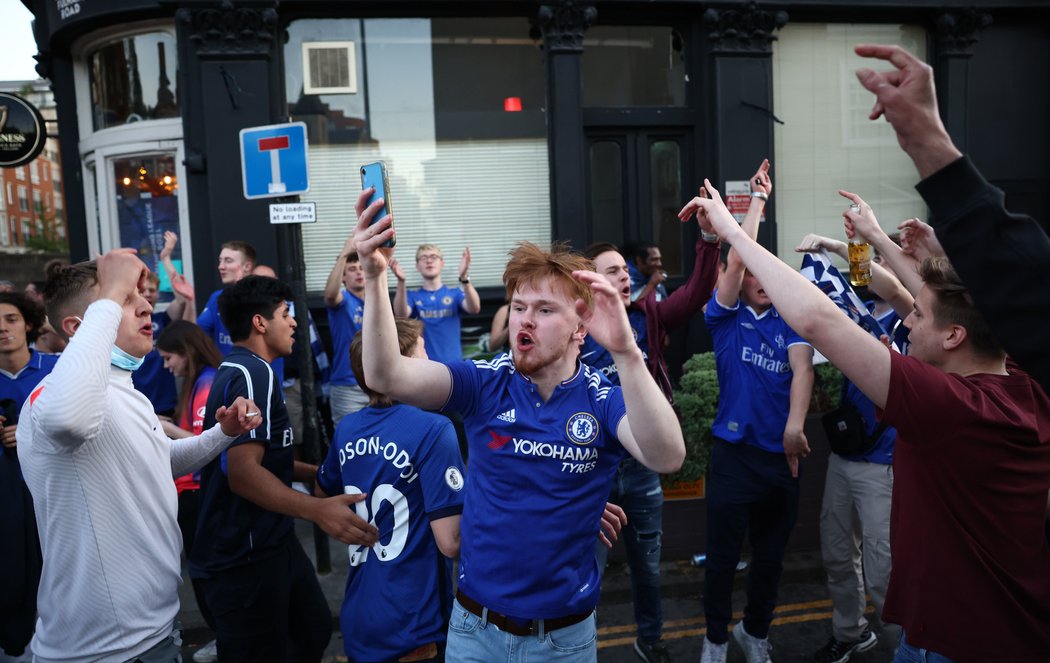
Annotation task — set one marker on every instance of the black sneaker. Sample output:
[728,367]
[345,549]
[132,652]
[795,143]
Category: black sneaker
[839,652]
[655,652]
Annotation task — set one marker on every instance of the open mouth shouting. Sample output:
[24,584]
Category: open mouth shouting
[524,342]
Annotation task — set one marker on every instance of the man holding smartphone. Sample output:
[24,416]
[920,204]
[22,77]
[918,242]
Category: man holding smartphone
[546,436]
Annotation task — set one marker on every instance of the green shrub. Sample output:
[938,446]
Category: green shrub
[697,402]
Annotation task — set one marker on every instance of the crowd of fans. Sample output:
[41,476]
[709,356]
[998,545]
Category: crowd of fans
[133,437]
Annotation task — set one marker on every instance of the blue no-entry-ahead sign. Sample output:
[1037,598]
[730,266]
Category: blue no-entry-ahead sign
[273,160]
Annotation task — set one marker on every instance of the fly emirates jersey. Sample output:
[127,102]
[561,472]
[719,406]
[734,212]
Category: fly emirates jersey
[540,473]
[407,461]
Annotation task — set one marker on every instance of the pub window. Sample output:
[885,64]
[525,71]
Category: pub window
[134,79]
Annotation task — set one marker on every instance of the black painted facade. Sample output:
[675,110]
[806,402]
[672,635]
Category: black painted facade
[992,61]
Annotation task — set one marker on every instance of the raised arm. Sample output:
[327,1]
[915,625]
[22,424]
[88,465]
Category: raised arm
[650,430]
[420,382]
[471,299]
[864,223]
[333,287]
[687,300]
[185,297]
[732,279]
[883,282]
[401,307]
[808,311]
[70,406]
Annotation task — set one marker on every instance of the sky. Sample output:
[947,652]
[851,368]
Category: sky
[16,34]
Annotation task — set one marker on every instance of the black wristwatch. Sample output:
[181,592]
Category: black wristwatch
[464,281]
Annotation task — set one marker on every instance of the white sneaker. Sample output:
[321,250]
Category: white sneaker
[712,653]
[206,654]
[756,650]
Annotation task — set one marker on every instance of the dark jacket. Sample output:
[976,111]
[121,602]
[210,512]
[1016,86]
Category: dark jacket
[676,310]
[1002,258]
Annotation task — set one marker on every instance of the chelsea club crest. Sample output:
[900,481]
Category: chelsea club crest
[581,428]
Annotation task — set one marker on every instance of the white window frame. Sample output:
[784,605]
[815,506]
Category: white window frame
[98,149]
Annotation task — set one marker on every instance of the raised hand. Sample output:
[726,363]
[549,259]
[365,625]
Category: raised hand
[464,264]
[170,240]
[241,416]
[120,275]
[813,243]
[607,319]
[395,266]
[371,237]
[711,213]
[182,287]
[919,240]
[862,221]
[761,181]
[906,97]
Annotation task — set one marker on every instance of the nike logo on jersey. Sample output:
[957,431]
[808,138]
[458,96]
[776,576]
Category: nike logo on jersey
[499,441]
[507,416]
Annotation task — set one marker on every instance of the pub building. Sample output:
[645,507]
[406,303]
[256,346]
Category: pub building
[506,120]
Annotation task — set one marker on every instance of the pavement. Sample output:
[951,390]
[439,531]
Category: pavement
[801,626]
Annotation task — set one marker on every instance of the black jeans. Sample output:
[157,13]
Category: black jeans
[749,491]
[270,610]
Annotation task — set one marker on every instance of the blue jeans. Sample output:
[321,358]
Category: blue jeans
[908,654]
[637,490]
[750,492]
[473,640]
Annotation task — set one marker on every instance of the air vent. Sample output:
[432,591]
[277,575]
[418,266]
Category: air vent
[329,67]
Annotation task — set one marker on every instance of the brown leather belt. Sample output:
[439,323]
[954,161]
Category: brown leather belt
[424,653]
[508,625]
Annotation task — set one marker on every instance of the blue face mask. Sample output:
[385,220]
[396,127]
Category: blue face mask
[122,359]
[119,358]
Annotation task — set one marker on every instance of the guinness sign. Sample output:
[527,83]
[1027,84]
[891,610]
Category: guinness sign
[22,131]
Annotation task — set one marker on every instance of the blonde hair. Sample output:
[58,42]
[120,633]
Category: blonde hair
[529,264]
[430,247]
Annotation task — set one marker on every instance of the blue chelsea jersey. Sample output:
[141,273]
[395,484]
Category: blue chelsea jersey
[232,530]
[17,386]
[344,321]
[439,310]
[597,357]
[540,474]
[882,452]
[407,461]
[754,374]
[152,379]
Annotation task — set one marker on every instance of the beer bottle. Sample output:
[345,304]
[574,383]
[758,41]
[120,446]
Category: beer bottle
[859,258]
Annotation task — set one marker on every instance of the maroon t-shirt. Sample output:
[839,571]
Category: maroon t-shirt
[971,469]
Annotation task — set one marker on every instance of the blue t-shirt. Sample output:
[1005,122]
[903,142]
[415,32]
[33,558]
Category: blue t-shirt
[882,452]
[440,312]
[594,355]
[754,374]
[230,529]
[152,379]
[540,473]
[210,322]
[407,461]
[17,386]
[345,321]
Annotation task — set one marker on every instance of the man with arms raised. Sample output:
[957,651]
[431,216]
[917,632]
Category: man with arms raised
[546,435]
[971,462]
[100,469]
